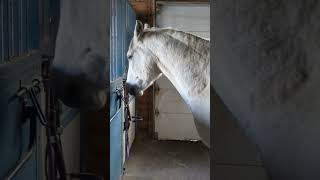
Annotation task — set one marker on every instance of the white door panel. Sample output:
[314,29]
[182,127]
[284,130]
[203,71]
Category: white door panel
[181,124]
[169,101]
[193,17]
[173,119]
[164,83]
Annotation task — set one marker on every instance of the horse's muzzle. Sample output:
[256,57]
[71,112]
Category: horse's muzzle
[134,90]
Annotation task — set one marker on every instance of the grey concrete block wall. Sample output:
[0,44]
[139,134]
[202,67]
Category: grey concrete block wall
[266,70]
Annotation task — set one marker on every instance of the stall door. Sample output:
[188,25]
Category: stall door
[130,24]
[116,71]
[21,37]
[121,33]
[173,119]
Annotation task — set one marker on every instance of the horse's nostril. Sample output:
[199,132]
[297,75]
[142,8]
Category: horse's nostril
[132,89]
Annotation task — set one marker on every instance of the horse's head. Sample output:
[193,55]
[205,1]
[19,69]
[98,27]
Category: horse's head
[143,70]
[80,69]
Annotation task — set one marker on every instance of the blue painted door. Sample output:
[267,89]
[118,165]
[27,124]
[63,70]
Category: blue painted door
[21,38]
[123,17]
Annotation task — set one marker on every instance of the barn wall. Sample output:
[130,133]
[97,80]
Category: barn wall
[266,70]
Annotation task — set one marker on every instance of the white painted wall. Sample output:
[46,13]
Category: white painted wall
[174,120]
[71,145]
[70,140]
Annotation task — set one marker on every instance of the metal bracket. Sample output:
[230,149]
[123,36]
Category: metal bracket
[136,118]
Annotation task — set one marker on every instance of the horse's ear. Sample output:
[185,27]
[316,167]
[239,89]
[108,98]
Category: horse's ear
[138,29]
[146,26]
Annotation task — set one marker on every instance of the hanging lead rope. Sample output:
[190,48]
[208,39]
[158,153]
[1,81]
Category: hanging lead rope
[127,117]
[123,94]
[55,168]
[55,165]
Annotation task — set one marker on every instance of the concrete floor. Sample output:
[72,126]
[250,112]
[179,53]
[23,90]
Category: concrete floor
[167,160]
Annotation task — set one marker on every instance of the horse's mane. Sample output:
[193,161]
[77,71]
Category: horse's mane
[198,43]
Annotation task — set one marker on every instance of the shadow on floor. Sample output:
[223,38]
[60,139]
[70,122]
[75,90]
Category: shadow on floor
[167,160]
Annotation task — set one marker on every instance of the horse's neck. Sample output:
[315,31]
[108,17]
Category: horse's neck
[182,60]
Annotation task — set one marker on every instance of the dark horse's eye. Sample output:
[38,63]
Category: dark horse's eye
[130,56]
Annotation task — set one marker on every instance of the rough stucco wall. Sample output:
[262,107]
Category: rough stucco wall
[235,156]
[266,70]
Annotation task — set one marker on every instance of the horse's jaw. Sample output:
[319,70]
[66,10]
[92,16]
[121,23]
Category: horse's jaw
[151,83]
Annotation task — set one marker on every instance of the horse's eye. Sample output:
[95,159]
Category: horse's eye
[129,57]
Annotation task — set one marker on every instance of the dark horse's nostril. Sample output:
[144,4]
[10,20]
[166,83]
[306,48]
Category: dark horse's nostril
[132,89]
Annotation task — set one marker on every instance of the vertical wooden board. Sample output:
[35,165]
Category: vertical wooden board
[28,35]
[5,30]
[124,40]
[116,147]
[33,24]
[130,23]
[54,14]
[119,32]
[23,26]
[19,15]
[15,29]
[1,31]
[10,28]
[114,38]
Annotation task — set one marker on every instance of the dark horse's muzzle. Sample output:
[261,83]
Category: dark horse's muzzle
[77,91]
[133,89]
